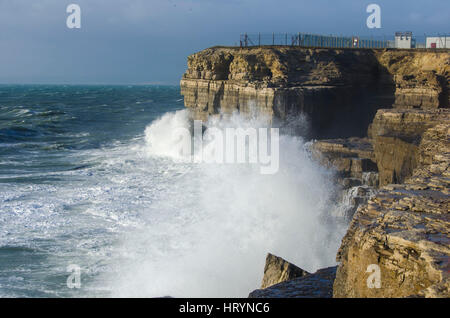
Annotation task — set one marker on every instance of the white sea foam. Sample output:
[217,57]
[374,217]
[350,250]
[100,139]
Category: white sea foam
[210,226]
[140,222]
[160,137]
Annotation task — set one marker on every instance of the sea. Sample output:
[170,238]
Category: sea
[95,201]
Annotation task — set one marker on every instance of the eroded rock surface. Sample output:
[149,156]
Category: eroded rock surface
[351,157]
[421,80]
[404,96]
[317,285]
[278,270]
[328,85]
[353,160]
[339,89]
[404,229]
[396,135]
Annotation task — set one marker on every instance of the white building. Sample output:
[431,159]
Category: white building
[403,40]
[438,42]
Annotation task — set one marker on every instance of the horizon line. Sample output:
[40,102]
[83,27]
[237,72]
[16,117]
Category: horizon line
[92,84]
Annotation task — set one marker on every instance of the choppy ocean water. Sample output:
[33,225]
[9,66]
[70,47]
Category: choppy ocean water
[88,178]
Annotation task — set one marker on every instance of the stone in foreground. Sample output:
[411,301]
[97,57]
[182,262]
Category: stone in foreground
[278,270]
[317,285]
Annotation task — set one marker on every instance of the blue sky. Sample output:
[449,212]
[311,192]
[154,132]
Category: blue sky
[147,41]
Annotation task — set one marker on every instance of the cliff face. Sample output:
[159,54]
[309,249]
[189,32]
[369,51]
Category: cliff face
[421,78]
[405,228]
[333,87]
[353,159]
[386,119]
[328,85]
[395,135]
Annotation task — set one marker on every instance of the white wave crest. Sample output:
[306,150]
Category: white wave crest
[210,226]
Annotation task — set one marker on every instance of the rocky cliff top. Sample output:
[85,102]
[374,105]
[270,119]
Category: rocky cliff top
[330,86]
[279,66]
[292,66]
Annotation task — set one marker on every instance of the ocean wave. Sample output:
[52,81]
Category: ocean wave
[107,190]
[219,221]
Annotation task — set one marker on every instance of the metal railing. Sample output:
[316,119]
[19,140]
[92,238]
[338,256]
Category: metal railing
[314,40]
[332,41]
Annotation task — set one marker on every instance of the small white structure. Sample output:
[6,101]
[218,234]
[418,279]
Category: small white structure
[438,42]
[403,40]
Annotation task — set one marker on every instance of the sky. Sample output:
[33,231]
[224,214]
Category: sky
[148,41]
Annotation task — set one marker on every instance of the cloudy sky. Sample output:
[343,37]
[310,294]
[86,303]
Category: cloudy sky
[147,41]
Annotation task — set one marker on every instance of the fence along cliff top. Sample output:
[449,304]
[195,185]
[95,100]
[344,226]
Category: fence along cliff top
[330,41]
[313,40]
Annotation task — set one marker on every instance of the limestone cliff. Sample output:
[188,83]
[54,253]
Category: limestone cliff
[421,78]
[328,85]
[332,86]
[396,135]
[353,159]
[405,228]
[383,118]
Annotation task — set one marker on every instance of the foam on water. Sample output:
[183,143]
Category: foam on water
[209,230]
[140,222]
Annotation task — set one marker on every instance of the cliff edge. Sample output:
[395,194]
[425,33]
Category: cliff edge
[332,86]
[383,120]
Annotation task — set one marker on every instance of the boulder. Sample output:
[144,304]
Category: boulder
[278,270]
[317,285]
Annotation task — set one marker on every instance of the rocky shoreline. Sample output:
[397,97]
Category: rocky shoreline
[381,120]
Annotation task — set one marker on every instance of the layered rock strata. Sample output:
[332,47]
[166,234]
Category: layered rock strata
[396,135]
[334,87]
[421,77]
[328,85]
[384,119]
[353,160]
[404,229]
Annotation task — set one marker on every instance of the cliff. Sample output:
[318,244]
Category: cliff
[404,228]
[383,120]
[395,135]
[421,77]
[332,86]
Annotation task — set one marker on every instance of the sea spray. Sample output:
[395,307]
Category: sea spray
[214,144]
[208,231]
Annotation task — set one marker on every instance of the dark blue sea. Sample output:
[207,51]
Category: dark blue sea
[89,179]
